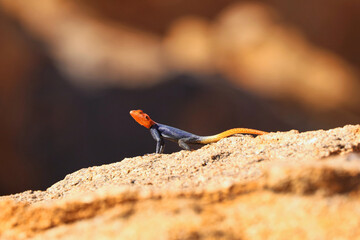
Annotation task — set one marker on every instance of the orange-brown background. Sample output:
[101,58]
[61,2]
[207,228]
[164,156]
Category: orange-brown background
[70,71]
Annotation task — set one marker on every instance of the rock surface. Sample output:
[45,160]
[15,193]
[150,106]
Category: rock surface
[284,185]
[295,60]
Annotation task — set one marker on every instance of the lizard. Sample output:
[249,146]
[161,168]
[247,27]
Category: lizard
[161,131]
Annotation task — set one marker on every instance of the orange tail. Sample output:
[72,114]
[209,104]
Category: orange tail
[217,137]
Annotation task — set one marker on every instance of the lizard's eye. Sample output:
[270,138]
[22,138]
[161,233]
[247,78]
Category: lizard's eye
[147,117]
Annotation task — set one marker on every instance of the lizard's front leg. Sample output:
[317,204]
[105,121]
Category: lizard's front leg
[160,143]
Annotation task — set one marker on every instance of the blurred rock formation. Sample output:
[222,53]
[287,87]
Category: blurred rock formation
[251,44]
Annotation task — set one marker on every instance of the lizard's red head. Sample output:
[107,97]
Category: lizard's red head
[142,118]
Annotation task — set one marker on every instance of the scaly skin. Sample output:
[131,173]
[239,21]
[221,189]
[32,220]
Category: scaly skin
[160,132]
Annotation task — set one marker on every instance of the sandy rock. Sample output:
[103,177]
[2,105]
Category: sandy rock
[284,185]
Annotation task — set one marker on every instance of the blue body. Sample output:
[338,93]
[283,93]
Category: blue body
[174,134]
[161,131]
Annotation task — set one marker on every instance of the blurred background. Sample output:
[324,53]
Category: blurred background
[70,72]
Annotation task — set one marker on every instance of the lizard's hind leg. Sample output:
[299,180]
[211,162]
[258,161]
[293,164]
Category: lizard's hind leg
[182,143]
